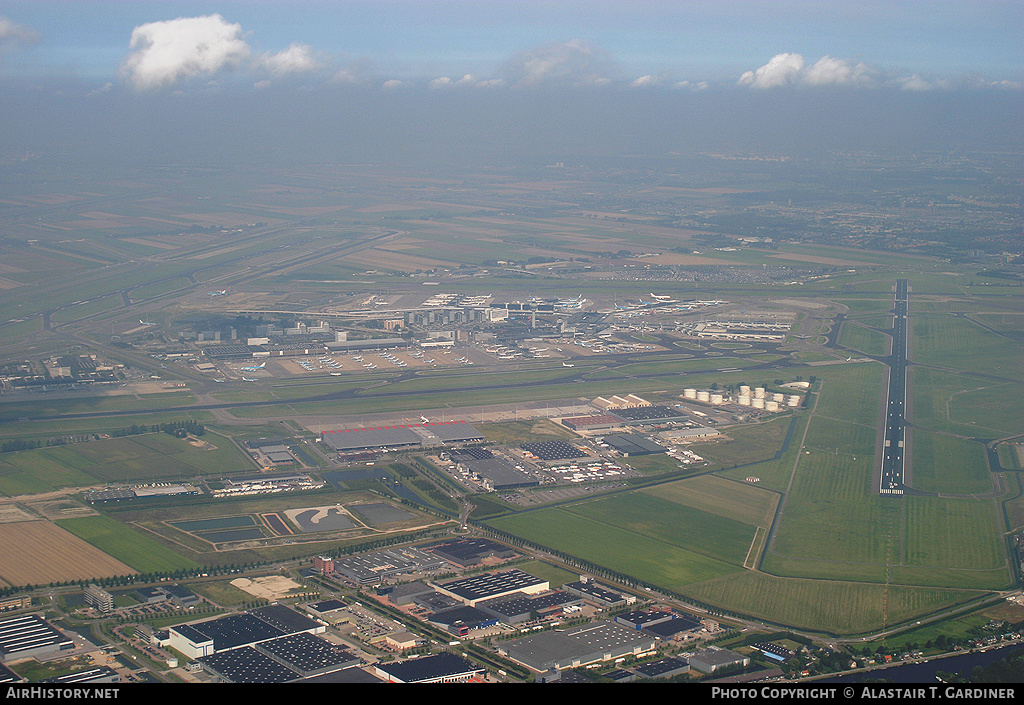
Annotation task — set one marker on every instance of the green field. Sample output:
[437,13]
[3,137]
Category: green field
[128,545]
[140,458]
[834,606]
[660,560]
[865,340]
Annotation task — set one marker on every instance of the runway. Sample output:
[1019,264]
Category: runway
[892,478]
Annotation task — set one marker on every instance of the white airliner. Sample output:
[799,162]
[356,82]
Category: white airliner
[566,364]
[146,323]
[222,292]
[254,368]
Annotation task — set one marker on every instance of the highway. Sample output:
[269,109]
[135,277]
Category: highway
[892,478]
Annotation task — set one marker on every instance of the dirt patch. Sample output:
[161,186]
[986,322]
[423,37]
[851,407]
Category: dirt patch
[62,508]
[272,587]
[12,512]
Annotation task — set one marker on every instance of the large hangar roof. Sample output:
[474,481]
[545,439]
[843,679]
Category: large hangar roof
[428,434]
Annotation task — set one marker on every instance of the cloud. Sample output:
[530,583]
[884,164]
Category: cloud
[164,53]
[791,70]
[468,80]
[575,62]
[297,58]
[781,70]
[828,71]
[15,36]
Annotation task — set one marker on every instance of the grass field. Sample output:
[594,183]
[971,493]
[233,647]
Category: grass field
[140,458]
[739,501]
[959,343]
[126,544]
[865,340]
[616,548]
[838,607]
[949,465]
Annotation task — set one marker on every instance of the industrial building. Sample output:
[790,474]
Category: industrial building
[715,659]
[31,636]
[497,474]
[424,435]
[577,646]
[406,593]
[439,668]
[632,444]
[469,552]
[661,624]
[285,659]
[372,568]
[616,417]
[201,639]
[461,620]
[553,450]
[517,608]
[597,594]
[487,586]
[663,668]
[593,423]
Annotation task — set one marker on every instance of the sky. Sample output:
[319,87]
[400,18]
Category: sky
[118,59]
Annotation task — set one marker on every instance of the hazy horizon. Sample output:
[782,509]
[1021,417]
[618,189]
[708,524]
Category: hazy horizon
[496,82]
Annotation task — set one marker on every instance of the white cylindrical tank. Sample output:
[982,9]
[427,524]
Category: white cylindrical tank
[703,396]
[744,390]
[759,392]
[690,393]
[744,401]
[794,400]
[778,397]
[771,406]
[717,399]
[757,403]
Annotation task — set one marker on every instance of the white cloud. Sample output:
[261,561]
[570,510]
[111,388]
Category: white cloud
[13,35]
[781,70]
[392,84]
[164,53]
[468,80]
[297,58]
[828,71]
[643,81]
[791,70]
